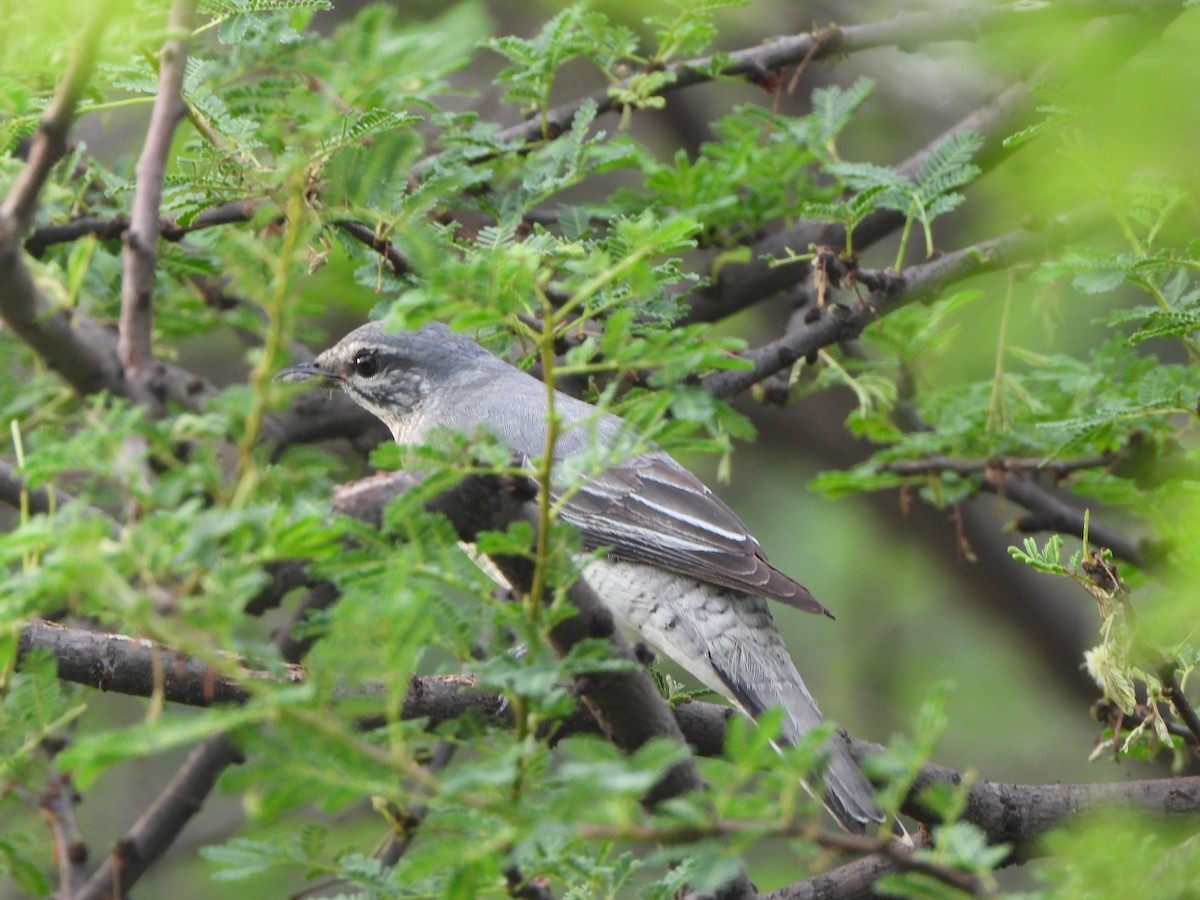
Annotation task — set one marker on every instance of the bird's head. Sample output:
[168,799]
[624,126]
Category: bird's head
[392,375]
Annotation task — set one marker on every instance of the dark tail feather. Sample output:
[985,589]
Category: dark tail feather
[848,795]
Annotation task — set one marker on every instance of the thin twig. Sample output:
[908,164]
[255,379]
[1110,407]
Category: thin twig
[57,806]
[140,256]
[904,857]
[1108,713]
[1057,469]
[1169,675]
[364,234]
[231,212]
[756,63]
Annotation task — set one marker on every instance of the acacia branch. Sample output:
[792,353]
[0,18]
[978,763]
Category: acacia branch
[1049,512]
[367,235]
[139,667]
[1013,479]
[778,261]
[156,829]
[1173,691]
[897,854]
[57,806]
[756,64]
[851,881]
[1056,469]
[82,351]
[889,292]
[1119,722]
[49,143]
[1017,815]
[140,256]
[15,492]
[231,212]
[68,349]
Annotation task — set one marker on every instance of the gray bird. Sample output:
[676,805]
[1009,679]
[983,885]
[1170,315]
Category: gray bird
[682,571]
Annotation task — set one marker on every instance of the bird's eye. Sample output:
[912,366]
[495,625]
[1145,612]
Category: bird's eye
[366,364]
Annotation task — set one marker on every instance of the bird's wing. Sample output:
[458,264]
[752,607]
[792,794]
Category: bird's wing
[652,510]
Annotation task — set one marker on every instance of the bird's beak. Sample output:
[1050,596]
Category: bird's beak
[303,372]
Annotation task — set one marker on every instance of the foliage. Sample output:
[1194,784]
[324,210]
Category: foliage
[181,521]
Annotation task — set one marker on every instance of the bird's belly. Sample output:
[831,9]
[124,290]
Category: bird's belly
[678,616]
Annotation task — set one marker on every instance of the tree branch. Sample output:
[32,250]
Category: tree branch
[69,350]
[1018,815]
[898,855]
[1173,691]
[50,141]
[140,256]
[755,64]
[1056,469]
[852,881]
[139,667]
[16,493]
[1048,512]
[890,292]
[1013,479]
[364,234]
[57,806]
[740,285]
[161,823]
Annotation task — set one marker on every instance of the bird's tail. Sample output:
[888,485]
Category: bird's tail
[848,795]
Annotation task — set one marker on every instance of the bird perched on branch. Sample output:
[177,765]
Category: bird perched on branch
[682,571]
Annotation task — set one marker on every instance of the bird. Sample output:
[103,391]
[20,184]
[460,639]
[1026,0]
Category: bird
[681,571]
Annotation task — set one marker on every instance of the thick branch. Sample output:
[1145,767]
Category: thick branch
[849,882]
[136,666]
[1018,815]
[140,257]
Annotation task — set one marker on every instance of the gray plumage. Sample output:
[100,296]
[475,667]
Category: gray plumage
[682,572]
